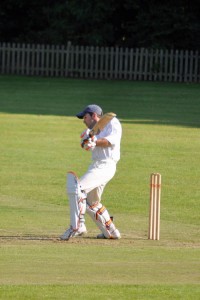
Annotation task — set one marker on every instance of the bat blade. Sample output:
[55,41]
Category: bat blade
[99,126]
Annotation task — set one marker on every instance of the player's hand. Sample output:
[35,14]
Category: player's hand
[85,134]
[89,144]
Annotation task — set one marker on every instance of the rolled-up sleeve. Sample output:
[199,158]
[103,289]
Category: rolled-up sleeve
[114,132]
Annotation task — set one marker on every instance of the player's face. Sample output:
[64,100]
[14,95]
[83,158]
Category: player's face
[89,120]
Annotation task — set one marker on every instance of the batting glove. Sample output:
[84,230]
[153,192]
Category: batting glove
[89,144]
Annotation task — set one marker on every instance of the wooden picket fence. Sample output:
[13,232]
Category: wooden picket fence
[100,62]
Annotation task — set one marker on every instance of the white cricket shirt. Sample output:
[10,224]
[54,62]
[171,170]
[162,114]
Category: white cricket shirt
[113,133]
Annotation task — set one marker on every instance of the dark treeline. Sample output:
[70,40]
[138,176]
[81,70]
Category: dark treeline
[128,23]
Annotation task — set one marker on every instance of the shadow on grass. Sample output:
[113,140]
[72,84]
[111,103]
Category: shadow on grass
[134,102]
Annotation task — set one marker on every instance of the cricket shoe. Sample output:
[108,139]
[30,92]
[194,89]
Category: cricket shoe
[115,235]
[69,233]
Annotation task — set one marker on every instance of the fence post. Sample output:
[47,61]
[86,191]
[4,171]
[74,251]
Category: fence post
[196,67]
[181,66]
[116,62]
[186,66]
[136,64]
[106,69]
[3,65]
[171,65]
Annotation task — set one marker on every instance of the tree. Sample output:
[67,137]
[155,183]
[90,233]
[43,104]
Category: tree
[127,23]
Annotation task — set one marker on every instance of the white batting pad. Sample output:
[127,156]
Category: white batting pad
[77,201]
[101,217]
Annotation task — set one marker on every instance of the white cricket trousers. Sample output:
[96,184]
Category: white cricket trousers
[95,179]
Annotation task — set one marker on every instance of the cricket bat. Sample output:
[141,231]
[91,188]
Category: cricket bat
[99,126]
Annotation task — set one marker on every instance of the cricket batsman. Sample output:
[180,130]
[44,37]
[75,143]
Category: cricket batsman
[102,137]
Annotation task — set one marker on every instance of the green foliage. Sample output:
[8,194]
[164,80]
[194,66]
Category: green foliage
[127,23]
[40,143]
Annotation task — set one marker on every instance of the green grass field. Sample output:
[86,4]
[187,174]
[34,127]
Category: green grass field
[40,142]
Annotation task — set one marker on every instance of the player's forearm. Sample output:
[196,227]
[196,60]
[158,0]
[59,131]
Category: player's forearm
[103,143]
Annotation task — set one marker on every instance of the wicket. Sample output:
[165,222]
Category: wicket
[154,210]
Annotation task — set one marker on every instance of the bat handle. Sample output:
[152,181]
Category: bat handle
[91,133]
